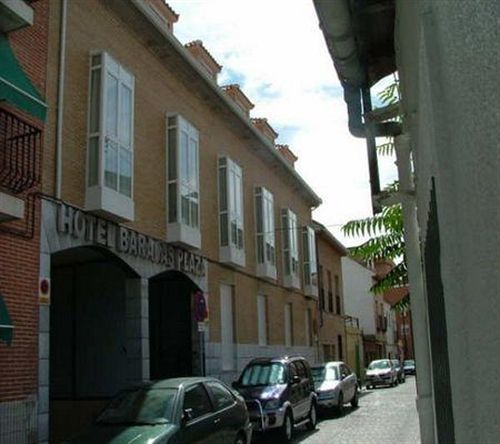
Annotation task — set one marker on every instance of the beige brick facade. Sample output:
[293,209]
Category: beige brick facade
[332,336]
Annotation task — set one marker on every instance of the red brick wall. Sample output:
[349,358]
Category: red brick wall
[19,254]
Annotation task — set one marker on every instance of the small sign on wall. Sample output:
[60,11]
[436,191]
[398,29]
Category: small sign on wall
[44,291]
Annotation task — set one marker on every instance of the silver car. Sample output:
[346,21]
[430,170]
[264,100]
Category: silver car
[381,372]
[335,385]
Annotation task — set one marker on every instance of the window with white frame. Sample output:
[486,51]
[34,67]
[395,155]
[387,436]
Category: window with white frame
[262,318]
[290,248]
[310,264]
[231,229]
[110,129]
[266,246]
[288,325]
[183,181]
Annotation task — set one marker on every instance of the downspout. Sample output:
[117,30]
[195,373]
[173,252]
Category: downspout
[60,98]
[359,103]
[419,320]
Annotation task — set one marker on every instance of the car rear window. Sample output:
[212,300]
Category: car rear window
[263,374]
[321,374]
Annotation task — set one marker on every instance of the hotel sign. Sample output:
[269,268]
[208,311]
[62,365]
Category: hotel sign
[109,234]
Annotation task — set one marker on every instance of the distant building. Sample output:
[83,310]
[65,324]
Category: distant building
[370,309]
[332,331]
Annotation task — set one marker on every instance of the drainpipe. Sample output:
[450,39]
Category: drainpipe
[60,98]
[425,389]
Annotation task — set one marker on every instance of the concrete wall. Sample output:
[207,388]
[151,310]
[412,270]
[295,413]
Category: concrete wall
[358,300]
[449,64]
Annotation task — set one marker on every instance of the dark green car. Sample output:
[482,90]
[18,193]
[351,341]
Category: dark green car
[180,410]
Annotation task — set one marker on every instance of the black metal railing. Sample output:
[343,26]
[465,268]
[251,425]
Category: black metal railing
[20,145]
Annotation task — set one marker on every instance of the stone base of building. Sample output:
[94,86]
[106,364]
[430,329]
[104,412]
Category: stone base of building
[18,421]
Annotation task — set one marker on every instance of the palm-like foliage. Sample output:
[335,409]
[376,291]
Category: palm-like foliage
[386,243]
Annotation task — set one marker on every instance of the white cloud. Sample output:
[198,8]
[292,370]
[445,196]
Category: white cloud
[276,52]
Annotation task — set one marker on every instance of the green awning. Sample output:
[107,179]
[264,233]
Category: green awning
[15,86]
[6,326]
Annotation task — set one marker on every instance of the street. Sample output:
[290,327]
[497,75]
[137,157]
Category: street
[385,415]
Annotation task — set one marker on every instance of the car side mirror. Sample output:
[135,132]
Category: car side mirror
[295,379]
[187,415]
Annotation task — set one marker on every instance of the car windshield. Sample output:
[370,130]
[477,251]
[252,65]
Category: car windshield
[141,406]
[321,374]
[263,374]
[409,362]
[377,365]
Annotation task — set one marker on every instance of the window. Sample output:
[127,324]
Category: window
[310,265]
[266,246]
[231,232]
[337,295]
[227,330]
[290,248]
[321,283]
[330,293]
[262,318]
[110,157]
[196,399]
[221,396]
[307,327]
[288,325]
[339,342]
[183,182]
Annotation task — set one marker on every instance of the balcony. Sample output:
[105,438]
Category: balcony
[20,145]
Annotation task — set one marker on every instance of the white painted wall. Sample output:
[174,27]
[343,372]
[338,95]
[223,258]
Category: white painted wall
[358,300]
[449,63]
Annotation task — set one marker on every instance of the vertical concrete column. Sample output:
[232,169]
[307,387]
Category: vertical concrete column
[420,325]
[137,329]
[43,358]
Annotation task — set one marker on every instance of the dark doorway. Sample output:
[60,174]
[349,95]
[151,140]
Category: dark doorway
[88,356]
[171,329]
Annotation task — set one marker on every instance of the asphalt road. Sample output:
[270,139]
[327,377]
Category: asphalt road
[384,416]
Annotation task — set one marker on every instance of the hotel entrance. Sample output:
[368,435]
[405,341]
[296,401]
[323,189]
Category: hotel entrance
[173,337]
[89,336]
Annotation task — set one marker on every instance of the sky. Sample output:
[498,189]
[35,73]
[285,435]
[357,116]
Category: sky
[277,54]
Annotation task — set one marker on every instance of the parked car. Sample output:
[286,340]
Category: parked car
[381,372]
[180,410]
[399,370]
[335,385]
[409,367]
[279,393]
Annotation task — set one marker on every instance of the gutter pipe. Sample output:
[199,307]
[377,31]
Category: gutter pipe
[60,98]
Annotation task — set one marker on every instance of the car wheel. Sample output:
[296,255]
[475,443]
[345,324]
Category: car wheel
[286,431]
[368,387]
[354,400]
[340,406]
[313,417]
[240,439]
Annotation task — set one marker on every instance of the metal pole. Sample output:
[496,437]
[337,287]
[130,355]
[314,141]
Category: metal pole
[425,397]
